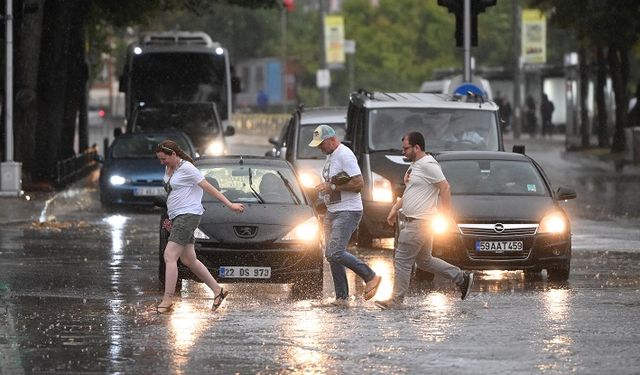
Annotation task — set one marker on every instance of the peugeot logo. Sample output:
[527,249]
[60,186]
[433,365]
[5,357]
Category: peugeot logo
[245,231]
[498,228]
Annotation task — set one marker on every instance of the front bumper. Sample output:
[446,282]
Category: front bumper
[540,251]
[288,264]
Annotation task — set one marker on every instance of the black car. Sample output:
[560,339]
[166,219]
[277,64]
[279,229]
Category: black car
[507,216]
[130,172]
[276,240]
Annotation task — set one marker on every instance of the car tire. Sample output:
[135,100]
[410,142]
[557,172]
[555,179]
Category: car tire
[532,274]
[559,273]
[364,237]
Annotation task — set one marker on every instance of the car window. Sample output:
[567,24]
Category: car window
[444,129]
[306,134]
[142,146]
[268,184]
[493,177]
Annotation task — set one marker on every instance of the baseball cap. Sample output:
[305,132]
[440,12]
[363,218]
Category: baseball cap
[321,133]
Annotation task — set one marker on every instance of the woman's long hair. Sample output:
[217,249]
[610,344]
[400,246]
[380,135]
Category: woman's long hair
[168,147]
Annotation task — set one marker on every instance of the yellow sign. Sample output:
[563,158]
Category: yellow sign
[534,37]
[334,40]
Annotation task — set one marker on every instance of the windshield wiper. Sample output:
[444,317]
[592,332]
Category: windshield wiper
[255,193]
[288,185]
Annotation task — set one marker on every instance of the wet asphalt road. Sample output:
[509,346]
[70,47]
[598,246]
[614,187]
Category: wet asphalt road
[76,296]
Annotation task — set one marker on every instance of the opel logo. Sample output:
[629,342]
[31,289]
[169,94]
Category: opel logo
[245,231]
[498,228]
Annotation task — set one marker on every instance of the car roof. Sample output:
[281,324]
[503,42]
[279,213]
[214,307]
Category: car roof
[418,100]
[329,115]
[481,155]
[253,160]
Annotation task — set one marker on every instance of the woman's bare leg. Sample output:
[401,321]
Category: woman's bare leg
[171,254]
[188,258]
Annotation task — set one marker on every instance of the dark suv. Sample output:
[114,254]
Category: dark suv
[376,123]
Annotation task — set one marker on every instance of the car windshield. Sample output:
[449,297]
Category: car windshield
[493,177]
[444,129]
[253,183]
[306,134]
[191,118]
[141,146]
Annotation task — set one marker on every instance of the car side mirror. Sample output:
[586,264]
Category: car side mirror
[274,140]
[564,193]
[518,149]
[229,131]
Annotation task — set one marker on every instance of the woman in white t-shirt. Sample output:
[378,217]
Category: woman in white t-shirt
[185,184]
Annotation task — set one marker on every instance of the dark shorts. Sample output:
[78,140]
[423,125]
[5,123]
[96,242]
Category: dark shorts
[182,229]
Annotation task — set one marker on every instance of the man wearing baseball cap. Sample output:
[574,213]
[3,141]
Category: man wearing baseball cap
[340,191]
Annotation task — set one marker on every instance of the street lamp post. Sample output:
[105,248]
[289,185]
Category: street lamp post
[10,171]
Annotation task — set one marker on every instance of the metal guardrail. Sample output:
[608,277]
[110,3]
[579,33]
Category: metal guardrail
[70,169]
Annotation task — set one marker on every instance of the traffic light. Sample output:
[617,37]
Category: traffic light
[457,8]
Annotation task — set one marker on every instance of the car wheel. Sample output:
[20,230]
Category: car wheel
[423,275]
[307,287]
[364,237]
[532,274]
[558,273]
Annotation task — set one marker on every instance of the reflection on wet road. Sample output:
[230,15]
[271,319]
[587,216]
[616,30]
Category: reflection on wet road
[80,299]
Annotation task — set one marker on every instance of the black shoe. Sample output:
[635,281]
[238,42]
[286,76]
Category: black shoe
[467,282]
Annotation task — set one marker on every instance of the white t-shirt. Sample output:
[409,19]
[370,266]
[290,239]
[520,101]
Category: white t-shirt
[341,159]
[420,197]
[186,195]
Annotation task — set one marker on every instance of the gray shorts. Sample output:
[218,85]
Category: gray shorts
[182,228]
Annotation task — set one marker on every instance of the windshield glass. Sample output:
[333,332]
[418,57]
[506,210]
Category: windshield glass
[233,182]
[493,177]
[191,118]
[306,134]
[141,146]
[174,77]
[444,129]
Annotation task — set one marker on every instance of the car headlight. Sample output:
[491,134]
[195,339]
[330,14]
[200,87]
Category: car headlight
[309,179]
[117,180]
[441,225]
[307,231]
[553,223]
[381,190]
[215,148]
[200,235]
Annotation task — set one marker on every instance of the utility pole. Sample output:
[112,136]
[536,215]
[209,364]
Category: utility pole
[10,171]
[516,14]
[323,13]
[467,40]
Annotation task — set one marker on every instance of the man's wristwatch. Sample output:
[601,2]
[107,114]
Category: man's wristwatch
[333,187]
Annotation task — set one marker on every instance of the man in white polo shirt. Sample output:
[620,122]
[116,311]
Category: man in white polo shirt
[344,211]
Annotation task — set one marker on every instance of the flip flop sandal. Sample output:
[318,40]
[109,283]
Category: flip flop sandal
[217,300]
[368,294]
[164,309]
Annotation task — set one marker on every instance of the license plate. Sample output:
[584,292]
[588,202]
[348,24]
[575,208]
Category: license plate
[499,246]
[148,191]
[244,272]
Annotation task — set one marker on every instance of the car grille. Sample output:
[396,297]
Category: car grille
[498,229]
[498,232]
